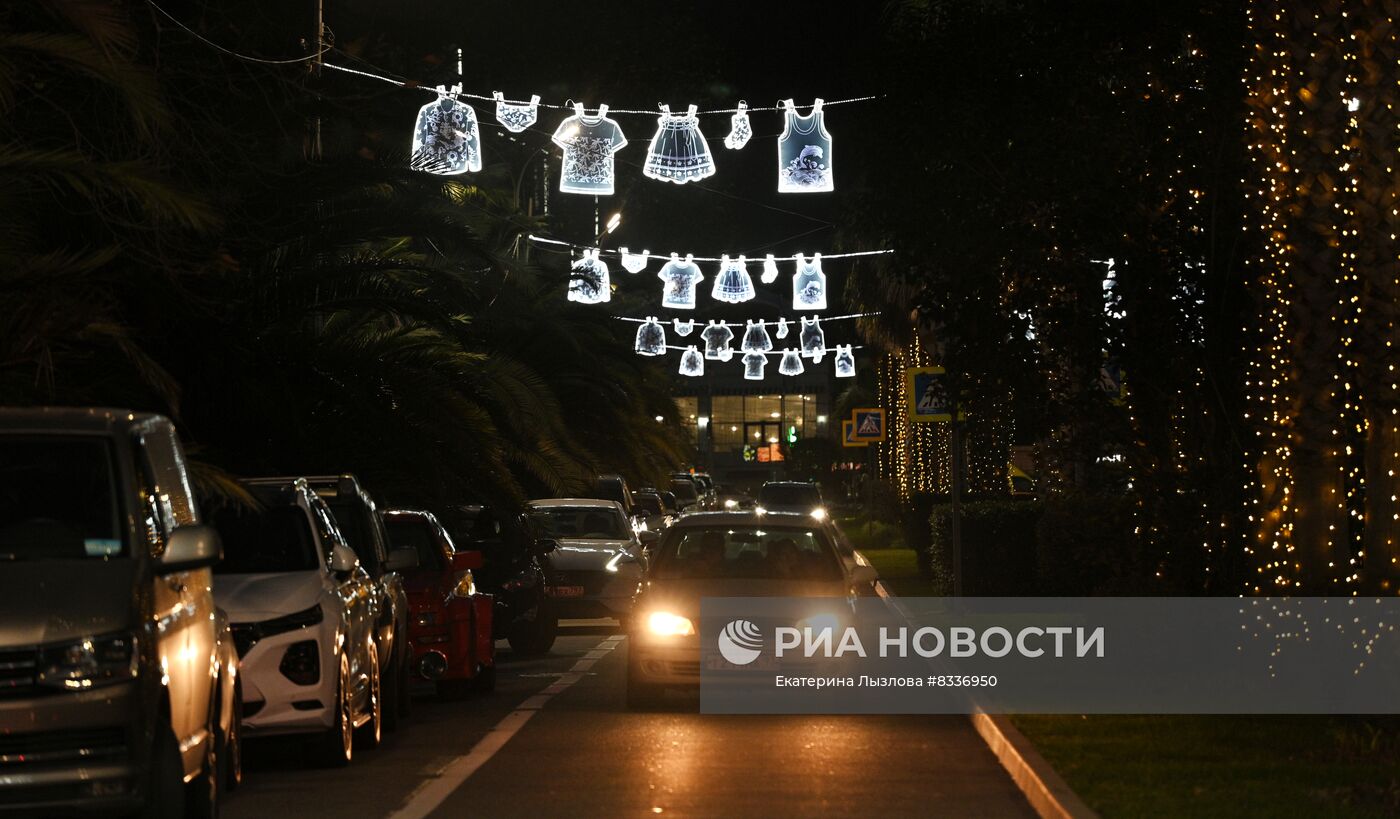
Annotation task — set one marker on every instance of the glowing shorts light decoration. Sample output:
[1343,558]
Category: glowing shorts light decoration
[683,328]
[634,262]
[804,152]
[725,354]
[740,131]
[680,277]
[782,330]
[733,284]
[446,140]
[791,363]
[678,152]
[588,279]
[753,366]
[516,117]
[845,361]
[589,144]
[809,284]
[756,338]
[813,340]
[717,337]
[692,363]
[770,269]
[651,337]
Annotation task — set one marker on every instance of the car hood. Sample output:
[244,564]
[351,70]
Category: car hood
[583,555]
[45,601]
[252,598]
[683,596]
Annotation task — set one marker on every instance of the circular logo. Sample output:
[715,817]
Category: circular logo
[740,642]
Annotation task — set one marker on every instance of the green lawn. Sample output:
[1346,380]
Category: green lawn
[1224,766]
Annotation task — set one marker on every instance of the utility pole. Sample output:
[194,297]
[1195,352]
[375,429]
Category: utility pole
[318,45]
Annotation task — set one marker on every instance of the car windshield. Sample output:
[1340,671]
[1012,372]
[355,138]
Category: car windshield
[581,522]
[413,532]
[58,499]
[352,518]
[802,496]
[747,553]
[265,540]
[684,490]
[648,505]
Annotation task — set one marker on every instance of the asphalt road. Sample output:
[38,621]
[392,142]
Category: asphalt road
[556,738]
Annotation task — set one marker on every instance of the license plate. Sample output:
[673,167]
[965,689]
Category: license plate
[565,591]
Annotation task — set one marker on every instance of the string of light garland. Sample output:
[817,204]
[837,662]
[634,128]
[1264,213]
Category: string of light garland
[647,254]
[742,324]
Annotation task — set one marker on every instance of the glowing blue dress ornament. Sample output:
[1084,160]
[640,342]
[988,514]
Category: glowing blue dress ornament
[809,284]
[589,144]
[733,284]
[680,278]
[634,262]
[813,340]
[791,363]
[756,338]
[717,337]
[678,151]
[445,137]
[770,269]
[845,361]
[804,152]
[588,279]
[740,131]
[514,116]
[692,363]
[753,366]
[651,338]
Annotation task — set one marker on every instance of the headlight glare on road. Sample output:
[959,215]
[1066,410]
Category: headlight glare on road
[666,624]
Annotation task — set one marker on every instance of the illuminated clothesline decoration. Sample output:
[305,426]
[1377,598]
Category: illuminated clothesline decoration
[695,258]
[746,324]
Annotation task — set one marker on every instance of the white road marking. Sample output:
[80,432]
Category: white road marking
[450,777]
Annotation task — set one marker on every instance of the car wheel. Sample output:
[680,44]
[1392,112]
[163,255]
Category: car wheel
[165,779]
[391,688]
[535,636]
[372,732]
[232,755]
[338,743]
[202,793]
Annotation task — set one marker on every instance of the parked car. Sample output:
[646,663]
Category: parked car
[687,493]
[450,618]
[704,491]
[792,496]
[358,520]
[514,572]
[597,567]
[654,512]
[303,616]
[725,554]
[119,689]
[614,488]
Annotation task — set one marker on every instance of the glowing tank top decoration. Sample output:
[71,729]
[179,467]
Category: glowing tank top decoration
[809,284]
[445,137]
[813,340]
[804,152]
[516,117]
[651,337]
[589,144]
[678,152]
[588,279]
[680,277]
[733,283]
[845,361]
[740,130]
[692,363]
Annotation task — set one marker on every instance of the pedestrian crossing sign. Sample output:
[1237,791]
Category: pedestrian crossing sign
[848,430]
[868,424]
[928,394]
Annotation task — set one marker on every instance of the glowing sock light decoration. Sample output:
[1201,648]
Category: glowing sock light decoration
[516,117]
[651,338]
[804,152]
[678,152]
[740,131]
[770,269]
[791,363]
[682,328]
[753,366]
[717,337]
[782,330]
[588,280]
[808,284]
[733,284]
[680,277]
[445,136]
[845,361]
[589,144]
[813,339]
[692,363]
[634,262]
[756,338]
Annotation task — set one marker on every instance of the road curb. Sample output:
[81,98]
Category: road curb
[1048,793]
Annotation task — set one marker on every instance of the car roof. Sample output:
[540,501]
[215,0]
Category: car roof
[565,503]
[809,484]
[81,419]
[696,520]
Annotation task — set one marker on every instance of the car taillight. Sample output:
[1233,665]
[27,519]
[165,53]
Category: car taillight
[302,663]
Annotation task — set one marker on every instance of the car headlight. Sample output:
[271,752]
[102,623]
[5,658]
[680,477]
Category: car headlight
[819,513]
[666,624]
[730,503]
[89,662]
[426,618]
[820,622]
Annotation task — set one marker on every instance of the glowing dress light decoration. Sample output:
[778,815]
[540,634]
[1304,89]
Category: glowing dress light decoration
[845,361]
[813,340]
[589,144]
[782,328]
[809,284]
[588,279]
[651,337]
[756,338]
[804,152]
[514,116]
[683,328]
[680,277]
[753,366]
[770,269]
[791,363]
[717,337]
[445,137]
[733,284]
[634,262]
[692,363]
[740,131]
[678,151]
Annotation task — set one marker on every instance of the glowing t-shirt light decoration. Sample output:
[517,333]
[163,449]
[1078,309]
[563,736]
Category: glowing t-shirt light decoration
[680,278]
[813,339]
[756,338]
[514,116]
[733,284]
[445,137]
[717,337]
[753,366]
[588,279]
[845,361]
[809,284]
[678,152]
[692,363]
[651,337]
[770,269]
[683,328]
[634,262]
[589,144]
[804,152]
[740,131]
[791,363]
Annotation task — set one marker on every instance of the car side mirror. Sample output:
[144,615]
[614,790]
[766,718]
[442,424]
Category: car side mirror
[864,575]
[343,559]
[190,547]
[648,538]
[468,560]
[545,545]
[401,560]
